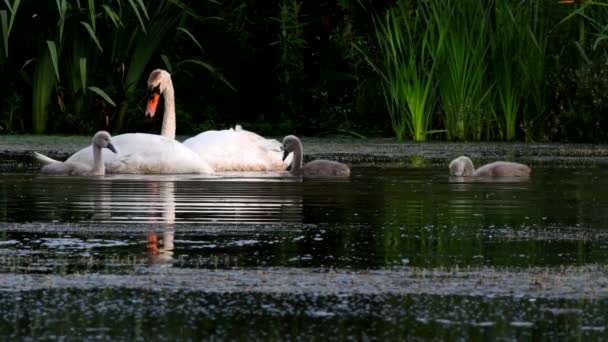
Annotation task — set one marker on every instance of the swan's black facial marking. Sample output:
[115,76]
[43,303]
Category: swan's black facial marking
[153,91]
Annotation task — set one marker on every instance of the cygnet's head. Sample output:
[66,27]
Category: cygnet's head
[158,81]
[290,144]
[461,166]
[102,139]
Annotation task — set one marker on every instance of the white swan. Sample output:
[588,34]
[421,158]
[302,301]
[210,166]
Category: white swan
[142,153]
[463,167]
[315,168]
[101,140]
[226,150]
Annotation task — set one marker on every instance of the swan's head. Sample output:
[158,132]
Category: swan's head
[291,143]
[461,166]
[157,83]
[102,139]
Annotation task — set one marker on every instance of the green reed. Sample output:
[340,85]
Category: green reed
[519,43]
[79,39]
[409,43]
[463,85]
[291,44]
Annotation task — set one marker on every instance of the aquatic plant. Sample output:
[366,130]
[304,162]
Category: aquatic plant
[290,67]
[463,85]
[409,42]
[82,53]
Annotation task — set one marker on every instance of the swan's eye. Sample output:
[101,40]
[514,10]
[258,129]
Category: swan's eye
[153,91]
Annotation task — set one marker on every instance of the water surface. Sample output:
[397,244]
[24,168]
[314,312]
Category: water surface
[387,253]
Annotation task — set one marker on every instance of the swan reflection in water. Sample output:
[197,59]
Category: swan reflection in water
[162,202]
[161,252]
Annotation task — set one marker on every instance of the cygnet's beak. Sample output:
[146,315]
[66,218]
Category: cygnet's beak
[285,154]
[111,148]
[153,96]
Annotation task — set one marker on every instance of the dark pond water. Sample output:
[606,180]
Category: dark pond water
[391,253]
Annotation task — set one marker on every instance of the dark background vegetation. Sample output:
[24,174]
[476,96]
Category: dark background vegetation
[276,67]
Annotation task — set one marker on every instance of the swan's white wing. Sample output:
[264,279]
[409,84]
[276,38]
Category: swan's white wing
[238,150]
[146,153]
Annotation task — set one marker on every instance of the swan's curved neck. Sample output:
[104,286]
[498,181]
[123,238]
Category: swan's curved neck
[168,129]
[99,168]
[298,153]
[469,168]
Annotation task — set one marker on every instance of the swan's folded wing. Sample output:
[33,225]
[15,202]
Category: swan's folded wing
[237,150]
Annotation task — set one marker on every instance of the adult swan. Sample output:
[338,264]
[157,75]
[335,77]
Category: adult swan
[143,153]
[226,150]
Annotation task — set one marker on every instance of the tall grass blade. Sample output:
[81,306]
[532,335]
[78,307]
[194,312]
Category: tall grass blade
[91,32]
[54,58]
[61,8]
[4,23]
[83,73]
[92,15]
[143,8]
[113,16]
[167,63]
[7,22]
[103,95]
[13,10]
[138,15]
[182,29]
[42,84]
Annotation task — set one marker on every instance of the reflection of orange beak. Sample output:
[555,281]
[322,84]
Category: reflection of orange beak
[152,245]
[152,103]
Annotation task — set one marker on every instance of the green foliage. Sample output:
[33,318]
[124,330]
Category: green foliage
[290,67]
[579,80]
[463,84]
[102,46]
[518,47]
[492,69]
[410,42]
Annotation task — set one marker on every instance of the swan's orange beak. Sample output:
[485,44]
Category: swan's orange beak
[152,103]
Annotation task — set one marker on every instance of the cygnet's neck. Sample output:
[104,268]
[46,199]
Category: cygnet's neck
[99,167]
[469,168]
[168,128]
[298,153]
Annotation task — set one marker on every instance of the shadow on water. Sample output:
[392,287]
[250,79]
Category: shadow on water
[388,252]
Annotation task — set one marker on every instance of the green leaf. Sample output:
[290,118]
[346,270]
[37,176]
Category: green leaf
[191,37]
[4,20]
[13,14]
[92,34]
[143,8]
[54,60]
[83,73]
[61,8]
[141,21]
[42,87]
[187,10]
[102,94]
[167,63]
[92,13]
[112,15]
